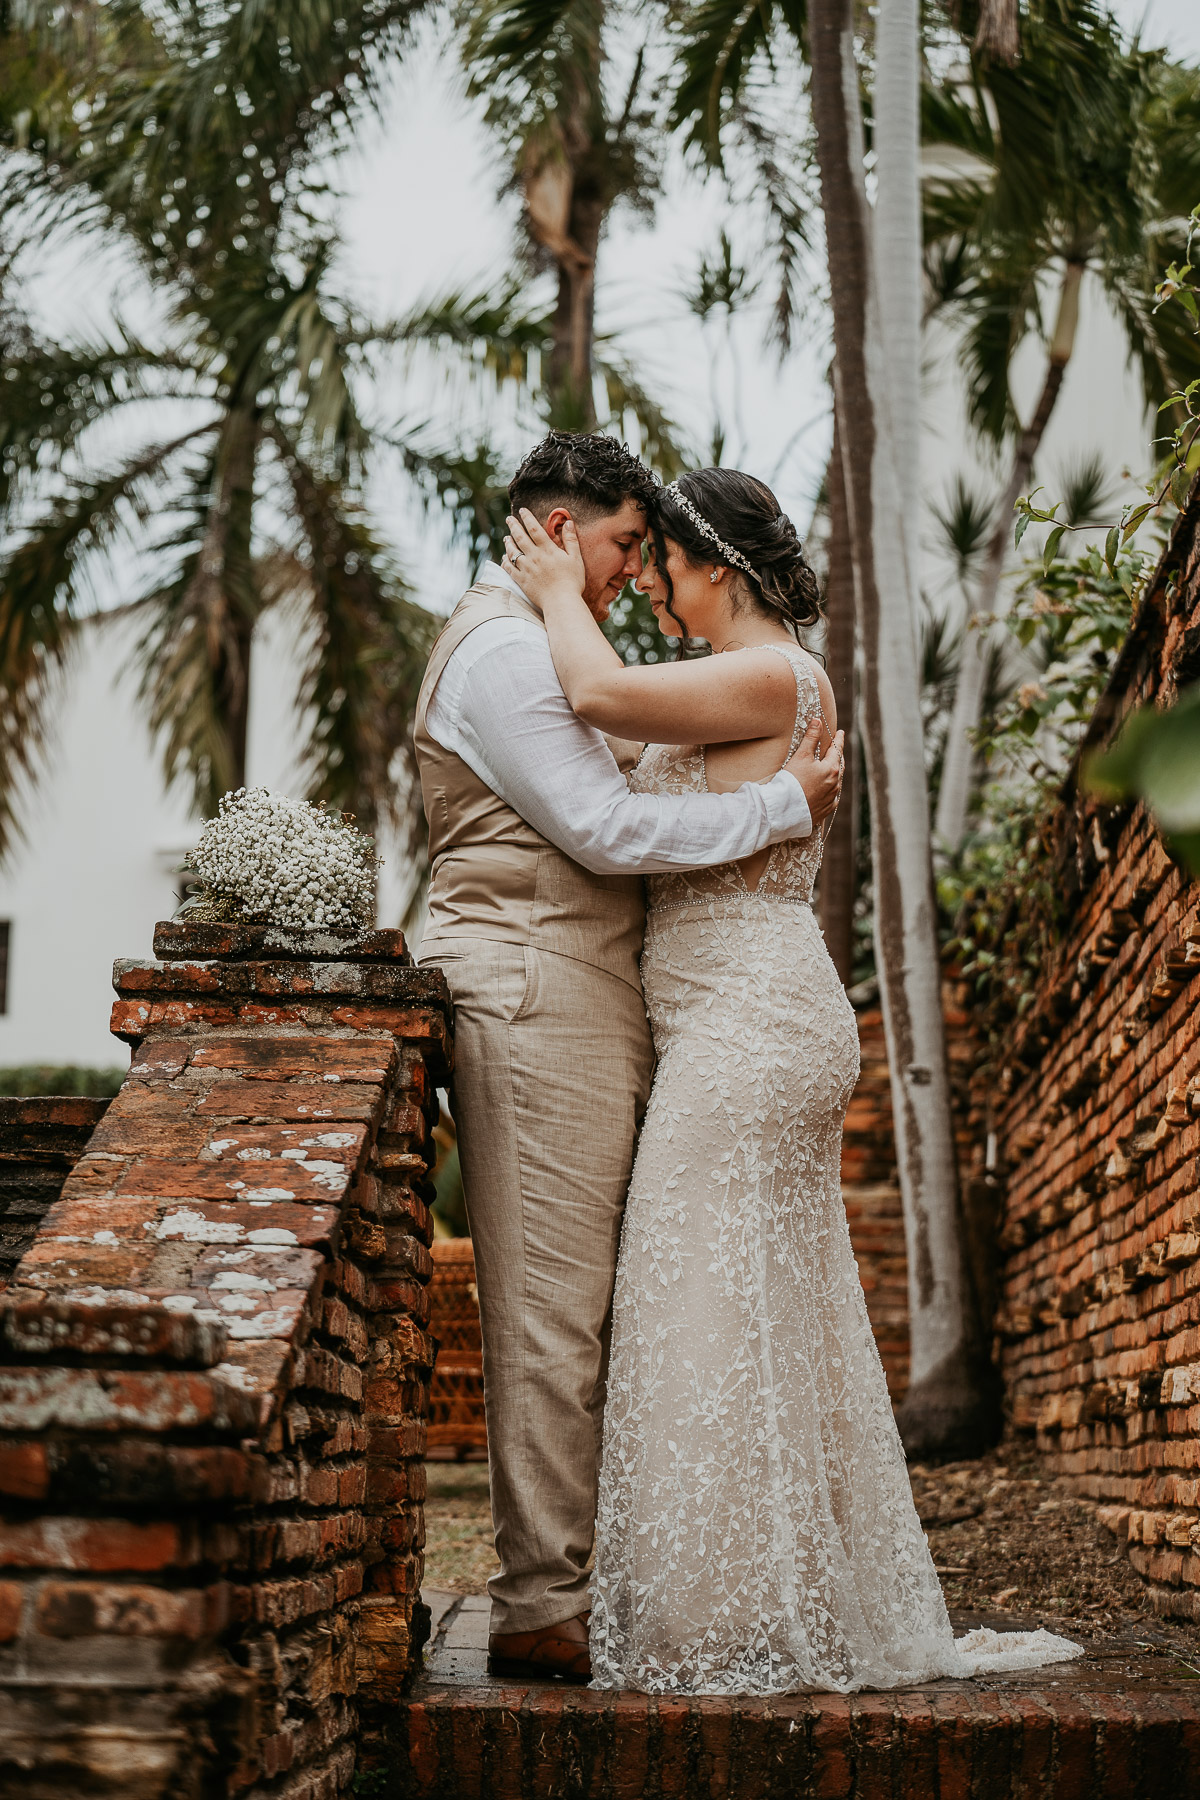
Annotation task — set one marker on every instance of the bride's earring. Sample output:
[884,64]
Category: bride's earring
[712,575]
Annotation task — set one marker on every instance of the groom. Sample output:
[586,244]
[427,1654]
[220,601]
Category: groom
[536,917]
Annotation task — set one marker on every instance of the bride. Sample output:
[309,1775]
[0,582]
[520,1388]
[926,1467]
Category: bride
[756,1532]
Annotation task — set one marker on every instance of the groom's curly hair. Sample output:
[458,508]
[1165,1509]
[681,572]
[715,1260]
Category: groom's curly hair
[588,473]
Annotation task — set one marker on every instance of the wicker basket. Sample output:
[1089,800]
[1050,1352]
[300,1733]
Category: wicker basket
[456,1421]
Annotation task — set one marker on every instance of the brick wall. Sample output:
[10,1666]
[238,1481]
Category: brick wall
[213,1380]
[871,1194]
[457,1425]
[1094,1105]
[40,1142]
[871,1187]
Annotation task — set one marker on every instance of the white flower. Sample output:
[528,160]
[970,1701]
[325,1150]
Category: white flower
[288,862]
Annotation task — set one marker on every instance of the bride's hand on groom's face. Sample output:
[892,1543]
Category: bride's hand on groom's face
[819,775]
[539,566]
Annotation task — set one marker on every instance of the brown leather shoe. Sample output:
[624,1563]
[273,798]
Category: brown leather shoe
[552,1654]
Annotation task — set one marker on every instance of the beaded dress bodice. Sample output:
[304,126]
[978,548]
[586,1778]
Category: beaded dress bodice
[680,769]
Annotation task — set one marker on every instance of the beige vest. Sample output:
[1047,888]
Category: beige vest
[494,876]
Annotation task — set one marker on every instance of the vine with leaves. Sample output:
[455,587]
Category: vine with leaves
[1180,456]
[1004,904]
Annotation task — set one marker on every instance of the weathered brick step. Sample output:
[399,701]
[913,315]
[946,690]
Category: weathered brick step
[1121,1725]
[181,939]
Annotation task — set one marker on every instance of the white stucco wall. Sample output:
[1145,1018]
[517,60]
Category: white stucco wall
[94,872]
[103,838]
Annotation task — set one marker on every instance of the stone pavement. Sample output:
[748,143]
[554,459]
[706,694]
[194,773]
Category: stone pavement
[1122,1724]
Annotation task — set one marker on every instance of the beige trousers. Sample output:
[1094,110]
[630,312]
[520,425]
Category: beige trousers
[552,1067]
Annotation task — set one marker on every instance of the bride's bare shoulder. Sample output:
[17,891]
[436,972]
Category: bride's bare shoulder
[817,670]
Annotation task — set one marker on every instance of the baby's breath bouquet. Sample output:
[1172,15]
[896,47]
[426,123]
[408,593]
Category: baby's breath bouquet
[269,860]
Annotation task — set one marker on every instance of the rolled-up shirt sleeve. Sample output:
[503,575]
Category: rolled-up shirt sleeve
[513,726]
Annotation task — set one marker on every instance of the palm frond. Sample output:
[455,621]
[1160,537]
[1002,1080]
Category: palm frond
[955,116]
[1162,342]
[940,648]
[965,524]
[500,328]
[721,283]
[627,397]
[784,185]
[1063,158]
[1173,122]
[40,602]
[722,41]
[370,645]
[1086,488]
[195,655]
[196,127]
[53,393]
[322,352]
[1001,309]
[538,63]
[468,485]
[41,50]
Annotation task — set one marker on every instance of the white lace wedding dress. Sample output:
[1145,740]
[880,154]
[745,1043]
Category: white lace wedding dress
[756,1532]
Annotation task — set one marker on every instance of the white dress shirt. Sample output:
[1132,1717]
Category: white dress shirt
[500,706]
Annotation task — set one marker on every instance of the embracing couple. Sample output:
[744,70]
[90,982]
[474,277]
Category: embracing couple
[653,1056]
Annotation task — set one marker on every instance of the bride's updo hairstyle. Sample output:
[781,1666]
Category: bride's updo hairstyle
[746,516]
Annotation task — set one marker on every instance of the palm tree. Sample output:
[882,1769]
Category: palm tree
[1080,155]
[193,137]
[964,529]
[874,278]
[839,864]
[575,143]
[950,1405]
[578,139]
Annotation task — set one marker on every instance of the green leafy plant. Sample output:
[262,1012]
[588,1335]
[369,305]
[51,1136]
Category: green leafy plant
[1180,450]
[1157,758]
[1002,899]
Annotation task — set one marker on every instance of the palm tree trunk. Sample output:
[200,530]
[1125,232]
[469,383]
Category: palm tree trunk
[999,31]
[839,864]
[566,205]
[896,227]
[223,581]
[954,798]
[572,335]
[951,1407]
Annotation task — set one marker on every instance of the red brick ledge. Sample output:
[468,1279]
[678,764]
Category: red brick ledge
[1091,1737]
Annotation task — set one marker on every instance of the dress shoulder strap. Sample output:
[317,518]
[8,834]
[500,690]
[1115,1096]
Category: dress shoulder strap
[808,695]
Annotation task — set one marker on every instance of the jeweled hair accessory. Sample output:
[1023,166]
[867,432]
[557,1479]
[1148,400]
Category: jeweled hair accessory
[702,525]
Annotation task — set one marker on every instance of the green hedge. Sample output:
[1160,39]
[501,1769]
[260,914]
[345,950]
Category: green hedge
[34,1078]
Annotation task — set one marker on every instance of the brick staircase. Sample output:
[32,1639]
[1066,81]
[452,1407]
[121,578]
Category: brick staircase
[41,1140]
[1123,1724]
